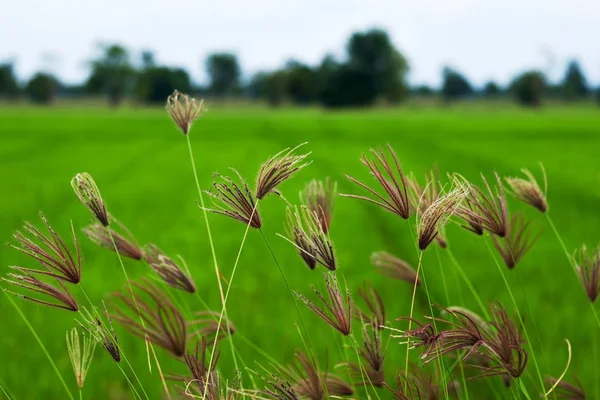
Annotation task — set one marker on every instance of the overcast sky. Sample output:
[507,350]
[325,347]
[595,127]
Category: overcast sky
[486,39]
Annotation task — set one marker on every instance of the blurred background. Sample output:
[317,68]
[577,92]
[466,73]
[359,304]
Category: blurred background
[469,86]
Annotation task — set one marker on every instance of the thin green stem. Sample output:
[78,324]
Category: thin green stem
[412,307]
[5,390]
[463,275]
[80,394]
[37,338]
[131,386]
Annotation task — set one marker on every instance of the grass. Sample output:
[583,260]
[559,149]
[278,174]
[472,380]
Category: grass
[140,162]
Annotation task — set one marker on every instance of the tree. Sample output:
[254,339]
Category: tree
[348,87]
[112,74]
[574,86]
[301,82]
[8,83]
[423,90]
[224,73]
[372,56]
[275,88]
[455,85]
[148,59]
[42,88]
[155,84]
[528,88]
[491,89]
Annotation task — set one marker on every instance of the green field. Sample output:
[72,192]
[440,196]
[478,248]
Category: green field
[141,164]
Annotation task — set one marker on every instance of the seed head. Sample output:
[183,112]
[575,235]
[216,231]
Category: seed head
[305,233]
[126,247]
[184,110]
[28,281]
[164,324]
[565,390]
[528,190]
[88,193]
[80,354]
[337,312]
[588,268]
[166,268]
[50,251]
[234,200]
[375,307]
[393,267]
[277,169]
[207,325]
[437,214]
[307,382]
[392,181]
[104,334]
[319,197]
[518,241]
[371,373]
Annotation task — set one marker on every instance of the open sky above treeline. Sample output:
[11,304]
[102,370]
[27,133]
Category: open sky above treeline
[485,39]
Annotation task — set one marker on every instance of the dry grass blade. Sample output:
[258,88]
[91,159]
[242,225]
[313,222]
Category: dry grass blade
[567,391]
[207,325]
[485,209]
[319,197]
[391,179]
[166,268]
[588,269]
[305,233]
[277,169]
[126,247]
[63,297]
[338,310]
[437,214]
[234,200]
[50,251]
[184,110]
[518,241]
[104,334]
[528,190]
[88,193]
[375,307]
[393,267]
[163,323]
[80,354]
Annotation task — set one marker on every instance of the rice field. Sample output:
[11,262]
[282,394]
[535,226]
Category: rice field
[141,164]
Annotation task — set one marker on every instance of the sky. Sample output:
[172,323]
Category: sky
[484,39]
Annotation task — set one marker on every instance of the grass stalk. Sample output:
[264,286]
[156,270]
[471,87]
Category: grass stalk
[131,386]
[412,306]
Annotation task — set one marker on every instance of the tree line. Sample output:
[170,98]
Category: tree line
[373,71]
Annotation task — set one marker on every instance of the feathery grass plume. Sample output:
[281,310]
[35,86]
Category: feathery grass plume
[305,233]
[80,354]
[319,197]
[419,386]
[63,297]
[166,268]
[104,334]
[424,335]
[50,251]
[438,213]
[375,306]
[276,387]
[393,267]
[567,391]
[372,353]
[88,193]
[184,110]
[307,382]
[164,324]
[528,190]
[394,184]
[518,241]
[338,314]
[126,247]
[485,209]
[421,198]
[207,325]
[277,169]
[407,389]
[234,200]
[588,269]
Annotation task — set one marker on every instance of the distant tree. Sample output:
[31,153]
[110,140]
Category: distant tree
[275,88]
[8,82]
[423,90]
[148,59]
[348,87]
[155,84]
[528,88]
[42,88]
[574,86]
[112,74]
[598,96]
[224,73]
[372,56]
[301,82]
[491,89]
[256,88]
[455,85]
[324,73]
